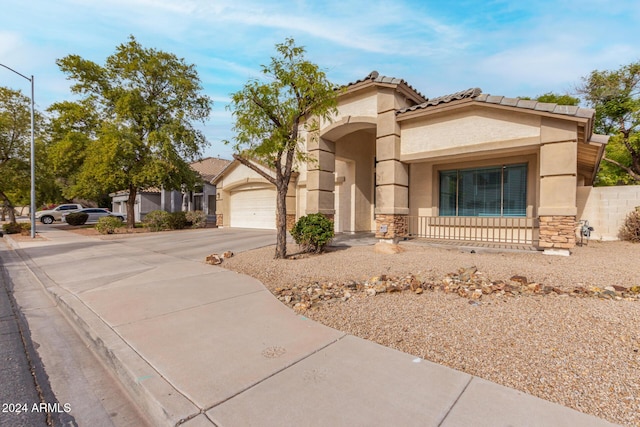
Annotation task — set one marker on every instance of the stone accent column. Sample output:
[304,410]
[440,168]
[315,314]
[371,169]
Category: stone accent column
[219,219]
[557,232]
[391,227]
[320,176]
[291,221]
[291,202]
[392,176]
[558,186]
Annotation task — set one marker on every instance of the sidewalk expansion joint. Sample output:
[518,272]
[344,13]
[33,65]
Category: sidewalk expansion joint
[456,401]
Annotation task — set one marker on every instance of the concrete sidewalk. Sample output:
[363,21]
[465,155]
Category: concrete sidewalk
[198,345]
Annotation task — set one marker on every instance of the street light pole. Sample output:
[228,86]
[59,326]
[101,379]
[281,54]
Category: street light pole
[32,207]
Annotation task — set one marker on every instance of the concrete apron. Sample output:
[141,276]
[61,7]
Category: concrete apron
[197,345]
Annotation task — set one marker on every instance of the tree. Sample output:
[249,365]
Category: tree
[555,98]
[615,95]
[271,116]
[15,142]
[133,127]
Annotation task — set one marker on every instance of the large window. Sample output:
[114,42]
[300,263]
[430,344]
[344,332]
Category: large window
[492,191]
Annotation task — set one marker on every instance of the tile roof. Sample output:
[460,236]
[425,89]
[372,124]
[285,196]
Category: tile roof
[209,167]
[375,77]
[477,95]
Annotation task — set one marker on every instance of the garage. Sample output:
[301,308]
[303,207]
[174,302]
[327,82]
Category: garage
[253,208]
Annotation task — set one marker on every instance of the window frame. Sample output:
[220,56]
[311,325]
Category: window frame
[454,196]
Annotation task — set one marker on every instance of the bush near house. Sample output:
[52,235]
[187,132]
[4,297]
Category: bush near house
[77,218]
[157,220]
[313,232]
[108,225]
[630,230]
[198,219]
[178,221]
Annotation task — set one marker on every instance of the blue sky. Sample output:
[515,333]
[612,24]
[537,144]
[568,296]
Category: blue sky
[510,48]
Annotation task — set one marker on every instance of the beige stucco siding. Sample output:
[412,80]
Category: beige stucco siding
[363,104]
[470,131]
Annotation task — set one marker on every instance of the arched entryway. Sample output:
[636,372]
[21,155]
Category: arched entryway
[355,182]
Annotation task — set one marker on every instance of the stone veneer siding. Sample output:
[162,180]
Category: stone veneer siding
[291,221]
[557,232]
[397,226]
[219,222]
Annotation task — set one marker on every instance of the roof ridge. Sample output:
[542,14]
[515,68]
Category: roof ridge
[468,93]
[528,104]
[375,77]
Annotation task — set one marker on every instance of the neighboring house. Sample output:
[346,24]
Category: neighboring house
[202,198]
[146,201]
[466,166]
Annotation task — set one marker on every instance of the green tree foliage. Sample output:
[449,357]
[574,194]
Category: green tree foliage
[615,95]
[558,99]
[15,142]
[133,126]
[555,98]
[271,117]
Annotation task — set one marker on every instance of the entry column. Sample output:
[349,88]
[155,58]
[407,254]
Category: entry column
[392,176]
[321,177]
[558,180]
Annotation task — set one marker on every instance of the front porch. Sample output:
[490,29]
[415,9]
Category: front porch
[520,231]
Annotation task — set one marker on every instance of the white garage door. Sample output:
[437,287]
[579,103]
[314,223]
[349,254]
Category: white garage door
[255,208]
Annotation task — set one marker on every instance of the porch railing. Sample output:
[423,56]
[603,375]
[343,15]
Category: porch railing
[514,230]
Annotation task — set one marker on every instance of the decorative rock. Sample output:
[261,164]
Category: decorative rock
[387,248]
[227,254]
[213,259]
[466,274]
[475,287]
[520,279]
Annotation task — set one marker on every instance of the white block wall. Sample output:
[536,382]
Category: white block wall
[606,208]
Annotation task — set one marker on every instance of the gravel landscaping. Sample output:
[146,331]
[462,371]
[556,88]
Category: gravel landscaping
[579,351]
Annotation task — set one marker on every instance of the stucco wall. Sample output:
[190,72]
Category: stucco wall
[149,202]
[606,208]
[467,131]
[361,104]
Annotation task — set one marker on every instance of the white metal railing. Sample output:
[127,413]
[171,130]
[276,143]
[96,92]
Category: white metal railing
[516,230]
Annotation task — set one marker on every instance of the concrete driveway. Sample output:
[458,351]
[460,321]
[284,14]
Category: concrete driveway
[196,244]
[192,245]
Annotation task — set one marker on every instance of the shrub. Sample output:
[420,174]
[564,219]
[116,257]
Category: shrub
[313,232]
[630,230]
[77,218]
[157,220]
[25,228]
[198,219]
[178,220]
[12,228]
[108,224]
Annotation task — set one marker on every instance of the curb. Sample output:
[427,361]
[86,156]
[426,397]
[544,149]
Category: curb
[153,394]
[11,243]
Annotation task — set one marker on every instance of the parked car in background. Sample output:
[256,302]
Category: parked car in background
[48,216]
[95,214]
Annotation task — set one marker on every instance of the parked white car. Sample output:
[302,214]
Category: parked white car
[50,215]
[95,214]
